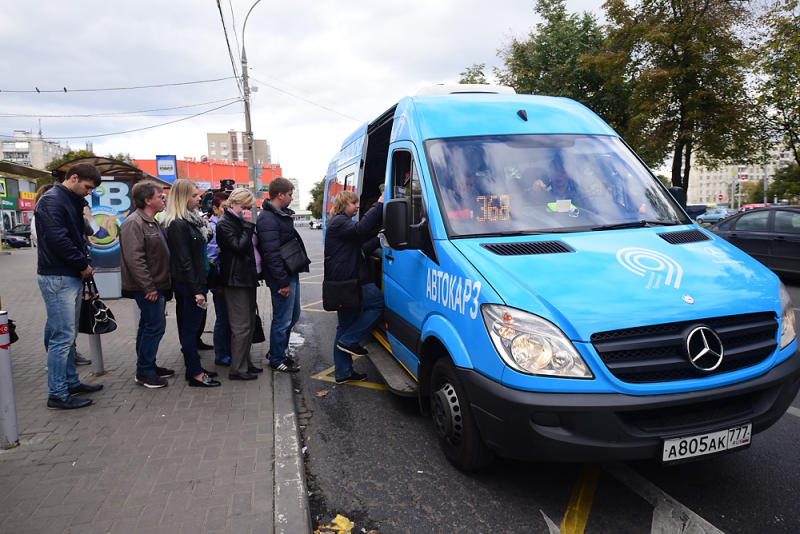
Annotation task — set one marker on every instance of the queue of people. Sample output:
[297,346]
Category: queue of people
[169,249]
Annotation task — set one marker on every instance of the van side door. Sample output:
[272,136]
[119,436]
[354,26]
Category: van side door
[404,270]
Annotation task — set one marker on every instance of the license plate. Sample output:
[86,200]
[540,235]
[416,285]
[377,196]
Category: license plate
[702,444]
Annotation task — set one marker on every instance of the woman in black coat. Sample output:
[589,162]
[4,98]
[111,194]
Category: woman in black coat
[187,239]
[239,279]
[344,260]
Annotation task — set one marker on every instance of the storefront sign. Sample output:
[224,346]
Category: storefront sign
[24,204]
[8,203]
[167,168]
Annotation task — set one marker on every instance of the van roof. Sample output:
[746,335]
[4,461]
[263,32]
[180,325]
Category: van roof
[474,114]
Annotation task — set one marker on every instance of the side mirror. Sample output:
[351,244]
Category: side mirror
[395,223]
[679,194]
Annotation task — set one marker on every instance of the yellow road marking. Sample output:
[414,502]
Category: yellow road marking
[307,307]
[580,503]
[327,376]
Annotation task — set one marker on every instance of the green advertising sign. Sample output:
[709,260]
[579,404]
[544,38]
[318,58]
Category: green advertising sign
[8,203]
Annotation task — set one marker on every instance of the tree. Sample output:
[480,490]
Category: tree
[474,74]
[123,157]
[779,65]
[687,68]
[315,206]
[785,185]
[69,156]
[557,59]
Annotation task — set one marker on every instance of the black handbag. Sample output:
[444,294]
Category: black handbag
[96,317]
[341,295]
[294,256]
[258,331]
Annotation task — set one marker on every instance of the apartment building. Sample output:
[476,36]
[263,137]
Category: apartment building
[232,146]
[31,150]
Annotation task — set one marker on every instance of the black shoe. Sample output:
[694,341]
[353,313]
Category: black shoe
[203,346]
[243,376]
[151,381]
[254,370]
[355,350]
[205,382]
[164,372]
[288,361]
[211,374]
[85,388]
[355,377]
[70,403]
[80,360]
[283,368]
[225,362]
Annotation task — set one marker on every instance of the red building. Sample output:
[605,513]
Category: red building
[208,173]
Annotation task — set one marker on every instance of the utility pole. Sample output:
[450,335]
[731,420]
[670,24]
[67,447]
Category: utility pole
[248,134]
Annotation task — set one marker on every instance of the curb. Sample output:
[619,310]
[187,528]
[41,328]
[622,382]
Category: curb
[291,509]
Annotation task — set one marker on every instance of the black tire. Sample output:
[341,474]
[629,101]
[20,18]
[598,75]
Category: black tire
[699,220]
[452,417]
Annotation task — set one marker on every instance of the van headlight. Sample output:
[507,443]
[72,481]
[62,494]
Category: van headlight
[788,333]
[532,345]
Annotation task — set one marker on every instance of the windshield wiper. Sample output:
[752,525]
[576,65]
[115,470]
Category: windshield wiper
[506,234]
[634,224]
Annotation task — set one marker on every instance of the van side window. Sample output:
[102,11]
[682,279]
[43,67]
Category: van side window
[405,183]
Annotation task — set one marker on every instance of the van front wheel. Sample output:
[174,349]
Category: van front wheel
[452,417]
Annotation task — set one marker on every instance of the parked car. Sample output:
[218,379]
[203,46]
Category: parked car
[770,235]
[19,236]
[713,215]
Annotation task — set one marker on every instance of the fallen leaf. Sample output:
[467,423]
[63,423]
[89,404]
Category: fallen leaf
[322,393]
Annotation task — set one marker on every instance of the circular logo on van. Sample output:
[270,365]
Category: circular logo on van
[704,348]
[688,299]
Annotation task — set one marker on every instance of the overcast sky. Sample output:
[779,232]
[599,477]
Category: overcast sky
[322,68]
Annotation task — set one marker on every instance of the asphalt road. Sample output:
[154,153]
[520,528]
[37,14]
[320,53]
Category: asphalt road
[372,458]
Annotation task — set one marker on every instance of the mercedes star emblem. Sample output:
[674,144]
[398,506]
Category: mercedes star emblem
[704,348]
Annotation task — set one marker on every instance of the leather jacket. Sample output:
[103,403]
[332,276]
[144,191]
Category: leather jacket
[144,257]
[187,259]
[61,232]
[236,257]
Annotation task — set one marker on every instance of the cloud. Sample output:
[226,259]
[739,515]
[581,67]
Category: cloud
[354,58]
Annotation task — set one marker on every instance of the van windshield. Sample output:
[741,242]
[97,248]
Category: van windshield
[528,184]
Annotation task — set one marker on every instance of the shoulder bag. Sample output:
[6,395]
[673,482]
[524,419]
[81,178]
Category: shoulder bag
[96,317]
[294,256]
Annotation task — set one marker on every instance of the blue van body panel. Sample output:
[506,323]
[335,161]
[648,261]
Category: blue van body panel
[472,115]
[615,279]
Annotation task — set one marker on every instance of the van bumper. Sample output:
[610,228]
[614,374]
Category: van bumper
[601,427]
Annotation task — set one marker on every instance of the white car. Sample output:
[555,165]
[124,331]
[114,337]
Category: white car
[315,224]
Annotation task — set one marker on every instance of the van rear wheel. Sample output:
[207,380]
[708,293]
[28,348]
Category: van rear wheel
[452,417]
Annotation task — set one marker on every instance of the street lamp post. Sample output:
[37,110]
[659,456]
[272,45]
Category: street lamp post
[251,171]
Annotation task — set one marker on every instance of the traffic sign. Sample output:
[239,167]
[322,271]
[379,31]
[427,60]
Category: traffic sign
[720,197]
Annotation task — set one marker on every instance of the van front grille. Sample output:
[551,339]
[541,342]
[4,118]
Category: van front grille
[657,353]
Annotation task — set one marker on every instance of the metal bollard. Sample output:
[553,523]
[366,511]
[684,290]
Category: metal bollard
[96,353]
[9,436]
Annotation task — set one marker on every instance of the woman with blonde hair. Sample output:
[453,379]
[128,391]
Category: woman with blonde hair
[187,236]
[239,278]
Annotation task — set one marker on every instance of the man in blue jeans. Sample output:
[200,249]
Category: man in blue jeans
[63,264]
[145,277]
[275,228]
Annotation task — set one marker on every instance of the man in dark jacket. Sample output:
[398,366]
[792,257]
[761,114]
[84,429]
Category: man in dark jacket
[345,240]
[145,277]
[63,262]
[275,227]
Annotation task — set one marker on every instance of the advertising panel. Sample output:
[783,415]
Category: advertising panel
[110,204]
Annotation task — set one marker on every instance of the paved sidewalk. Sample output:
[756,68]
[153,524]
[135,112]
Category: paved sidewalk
[172,460]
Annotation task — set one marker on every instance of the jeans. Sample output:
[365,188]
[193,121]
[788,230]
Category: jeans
[285,313]
[222,330]
[152,323]
[62,302]
[191,317]
[354,325]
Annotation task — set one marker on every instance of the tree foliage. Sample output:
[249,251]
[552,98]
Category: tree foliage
[315,206]
[69,156]
[688,69]
[557,59]
[474,74]
[779,65]
[785,185]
